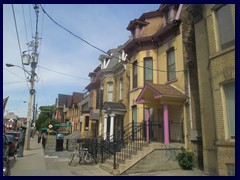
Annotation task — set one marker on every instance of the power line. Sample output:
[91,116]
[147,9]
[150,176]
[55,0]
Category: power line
[19,46]
[14,82]
[99,48]
[24,23]
[64,73]
[14,74]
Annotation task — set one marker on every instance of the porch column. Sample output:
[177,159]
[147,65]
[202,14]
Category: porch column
[105,127]
[112,125]
[166,127]
[147,123]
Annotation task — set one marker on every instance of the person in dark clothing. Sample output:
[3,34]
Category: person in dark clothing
[43,137]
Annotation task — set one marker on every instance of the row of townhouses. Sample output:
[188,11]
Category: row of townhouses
[176,74]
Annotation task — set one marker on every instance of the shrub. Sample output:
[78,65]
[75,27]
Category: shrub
[185,158]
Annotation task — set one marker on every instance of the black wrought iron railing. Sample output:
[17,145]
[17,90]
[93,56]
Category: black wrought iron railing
[128,141]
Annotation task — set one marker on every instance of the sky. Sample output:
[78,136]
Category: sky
[61,55]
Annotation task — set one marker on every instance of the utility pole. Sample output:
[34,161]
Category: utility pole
[32,87]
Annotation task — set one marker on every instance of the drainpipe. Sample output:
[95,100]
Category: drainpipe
[189,65]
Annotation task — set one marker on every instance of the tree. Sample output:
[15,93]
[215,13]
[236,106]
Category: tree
[45,116]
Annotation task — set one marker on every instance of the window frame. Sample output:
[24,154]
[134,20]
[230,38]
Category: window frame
[226,111]
[86,125]
[230,42]
[171,68]
[135,76]
[121,89]
[148,70]
[109,92]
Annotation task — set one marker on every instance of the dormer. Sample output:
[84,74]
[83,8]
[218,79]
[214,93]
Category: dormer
[105,59]
[168,12]
[135,26]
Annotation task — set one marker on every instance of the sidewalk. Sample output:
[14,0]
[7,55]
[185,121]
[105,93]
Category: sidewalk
[32,163]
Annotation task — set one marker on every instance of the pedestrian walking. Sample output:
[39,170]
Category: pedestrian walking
[44,137]
[39,136]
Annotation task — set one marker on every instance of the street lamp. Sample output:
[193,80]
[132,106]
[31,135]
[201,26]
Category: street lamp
[30,104]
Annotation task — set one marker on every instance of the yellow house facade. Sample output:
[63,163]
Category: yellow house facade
[90,107]
[163,89]
[115,85]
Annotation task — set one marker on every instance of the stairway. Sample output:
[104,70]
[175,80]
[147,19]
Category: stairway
[140,155]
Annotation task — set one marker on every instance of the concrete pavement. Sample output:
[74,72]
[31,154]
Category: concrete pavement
[35,163]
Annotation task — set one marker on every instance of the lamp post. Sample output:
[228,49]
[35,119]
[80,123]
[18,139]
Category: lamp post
[30,103]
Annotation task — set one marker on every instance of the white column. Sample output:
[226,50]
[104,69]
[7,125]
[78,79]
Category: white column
[105,127]
[112,125]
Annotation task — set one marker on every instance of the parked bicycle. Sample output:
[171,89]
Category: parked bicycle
[81,156]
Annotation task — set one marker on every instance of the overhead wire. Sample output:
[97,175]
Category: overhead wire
[15,74]
[30,20]
[65,73]
[98,47]
[19,46]
[24,23]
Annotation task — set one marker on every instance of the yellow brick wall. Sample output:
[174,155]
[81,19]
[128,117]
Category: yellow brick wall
[213,65]
[226,154]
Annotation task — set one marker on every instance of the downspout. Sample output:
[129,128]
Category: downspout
[189,94]
[157,67]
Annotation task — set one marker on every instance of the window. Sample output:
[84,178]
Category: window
[171,64]
[85,106]
[86,123]
[229,90]
[148,69]
[134,117]
[135,74]
[121,89]
[225,27]
[109,91]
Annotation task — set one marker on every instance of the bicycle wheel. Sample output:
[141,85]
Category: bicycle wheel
[76,159]
[70,159]
[88,158]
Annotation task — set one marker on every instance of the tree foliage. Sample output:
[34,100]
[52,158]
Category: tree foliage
[45,116]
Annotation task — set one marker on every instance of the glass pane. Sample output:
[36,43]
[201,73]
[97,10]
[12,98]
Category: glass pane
[148,72]
[225,25]
[230,102]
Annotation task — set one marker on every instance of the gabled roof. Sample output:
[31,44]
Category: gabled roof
[151,93]
[62,99]
[76,97]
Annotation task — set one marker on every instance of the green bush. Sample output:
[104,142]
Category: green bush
[185,159]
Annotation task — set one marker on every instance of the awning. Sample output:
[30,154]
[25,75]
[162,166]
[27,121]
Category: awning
[156,94]
[111,106]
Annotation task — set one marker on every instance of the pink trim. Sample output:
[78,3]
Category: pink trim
[179,12]
[166,127]
[138,100]
[135,89]
[158,96]
[147,123]
[141,101]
